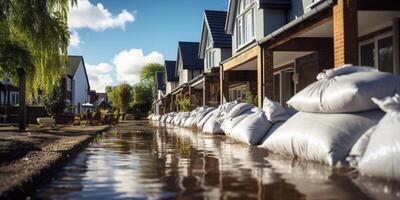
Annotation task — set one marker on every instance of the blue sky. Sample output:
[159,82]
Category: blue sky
[112,34]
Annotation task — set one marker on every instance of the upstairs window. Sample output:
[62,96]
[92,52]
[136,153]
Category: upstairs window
[245,22]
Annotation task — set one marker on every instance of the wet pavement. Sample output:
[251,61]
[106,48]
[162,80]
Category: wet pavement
[136,160]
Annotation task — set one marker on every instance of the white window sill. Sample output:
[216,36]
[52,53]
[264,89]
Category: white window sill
[241,47]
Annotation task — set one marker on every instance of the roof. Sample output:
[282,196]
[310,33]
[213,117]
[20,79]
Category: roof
[160,83]
[189,54]
[170,71]
[73,64]
[216,24]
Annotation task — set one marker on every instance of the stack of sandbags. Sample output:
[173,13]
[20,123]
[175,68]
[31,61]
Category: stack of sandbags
[382,152]
[213,124]
[170,117]
[202,112]
[250,125]
[334,113]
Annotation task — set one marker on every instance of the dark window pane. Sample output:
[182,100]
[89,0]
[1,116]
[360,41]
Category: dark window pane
[367,55]
[287,86]
[277,87]
[385,54]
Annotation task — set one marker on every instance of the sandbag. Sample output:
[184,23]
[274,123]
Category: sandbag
[231,122]
[200,125]
[343,70]
[201,116]
[212,126]
[251,129]
[325,138]
[346,93]
[239,109]
[274,111]
[381,158]
[358,149]
[273,128]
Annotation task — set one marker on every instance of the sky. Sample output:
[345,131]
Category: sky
[117,38]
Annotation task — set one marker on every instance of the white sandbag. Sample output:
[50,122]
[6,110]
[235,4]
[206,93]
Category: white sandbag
[201,115]
[273,128]
[238,109]
[343,70]
[252,128]
[212,126]
[274,111]
[231,122]
[224,109]
[346,93]
[382,156]
[325,138]
[358,149]
[203,121]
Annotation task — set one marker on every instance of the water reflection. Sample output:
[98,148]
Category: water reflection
[164,162]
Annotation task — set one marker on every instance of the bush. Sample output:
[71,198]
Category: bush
[54,101]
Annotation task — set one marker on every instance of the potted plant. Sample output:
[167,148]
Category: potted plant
[54,104]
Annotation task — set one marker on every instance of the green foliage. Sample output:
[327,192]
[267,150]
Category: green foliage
[183,103]
[54,101]
[142,98]
[148,76]
[120,96]
[249,98]
[34,37]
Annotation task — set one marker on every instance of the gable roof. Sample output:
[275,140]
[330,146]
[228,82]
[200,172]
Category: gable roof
[73,65]
[187,52]
[262,4]
[160,80]
[170,71]
[214,22]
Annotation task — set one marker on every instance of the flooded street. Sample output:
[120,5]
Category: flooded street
[140,161]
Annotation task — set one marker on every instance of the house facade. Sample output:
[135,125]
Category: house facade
[215,47]
[324,34]
[248,21]
[278,47]
[171,82]
[188,68]
[160,86]
[75,84]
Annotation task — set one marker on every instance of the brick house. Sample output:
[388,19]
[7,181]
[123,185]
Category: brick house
[188,67]
[248,21]
[325,34]
[215,47]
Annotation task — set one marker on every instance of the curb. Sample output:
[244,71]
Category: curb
[25,188]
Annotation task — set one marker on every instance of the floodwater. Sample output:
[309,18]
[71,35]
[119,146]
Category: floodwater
[141,161]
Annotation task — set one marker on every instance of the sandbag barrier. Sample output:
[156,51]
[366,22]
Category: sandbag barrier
[337,120]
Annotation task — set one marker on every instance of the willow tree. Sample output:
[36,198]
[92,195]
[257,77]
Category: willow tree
[34,42]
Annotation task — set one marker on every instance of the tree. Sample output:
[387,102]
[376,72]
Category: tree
[54,101]
[148,75]
[120,96]
[142,97]
[34,37]
[34,41]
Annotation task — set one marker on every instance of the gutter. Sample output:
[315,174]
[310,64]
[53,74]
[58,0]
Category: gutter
[317,9]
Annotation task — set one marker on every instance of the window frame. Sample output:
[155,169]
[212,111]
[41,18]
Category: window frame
[280,73]
[375,40]
[241,24]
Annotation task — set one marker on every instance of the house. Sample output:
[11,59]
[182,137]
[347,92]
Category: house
[278,47]
[249,21]
[171,82]
[75,84]
[188,67]
[215,47]
[160,87]
[325,34]
[9,94]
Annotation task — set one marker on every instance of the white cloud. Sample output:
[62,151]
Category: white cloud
[74,40]
[99,76]
[129,63]
[96,17]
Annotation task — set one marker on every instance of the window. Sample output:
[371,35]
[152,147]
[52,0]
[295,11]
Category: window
[245,22]
[14,98]
[378,52]
[69,85]
[284,86]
